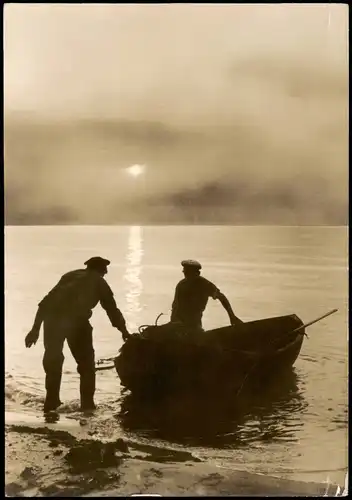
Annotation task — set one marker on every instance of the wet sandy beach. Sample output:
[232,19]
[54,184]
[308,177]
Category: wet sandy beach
[69,459]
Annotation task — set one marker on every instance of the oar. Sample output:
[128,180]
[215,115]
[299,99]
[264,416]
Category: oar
[295,330]
[100,361]
[105,368]
[315,320]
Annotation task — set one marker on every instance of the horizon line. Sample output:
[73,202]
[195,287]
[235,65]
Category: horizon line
[176,224]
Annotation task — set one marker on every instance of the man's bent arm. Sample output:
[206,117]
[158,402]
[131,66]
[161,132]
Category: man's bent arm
[108,303]
[174,307]
[227,306]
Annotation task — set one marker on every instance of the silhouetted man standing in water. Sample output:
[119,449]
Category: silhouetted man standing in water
[65,312]
[191,297]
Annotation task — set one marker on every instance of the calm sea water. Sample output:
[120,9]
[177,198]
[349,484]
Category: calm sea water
[300,433]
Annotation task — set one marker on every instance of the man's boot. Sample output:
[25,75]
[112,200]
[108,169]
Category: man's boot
[52,385]
[87,389]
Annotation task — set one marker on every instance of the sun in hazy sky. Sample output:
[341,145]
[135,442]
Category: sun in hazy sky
[135,170]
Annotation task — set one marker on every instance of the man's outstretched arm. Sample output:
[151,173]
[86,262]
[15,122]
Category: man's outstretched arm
[227,306]
[115,316]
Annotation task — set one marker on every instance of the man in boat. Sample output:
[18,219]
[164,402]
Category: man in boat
[191,297]
[65,313]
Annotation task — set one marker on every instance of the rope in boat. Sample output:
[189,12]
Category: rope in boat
[143,327]
[112,358]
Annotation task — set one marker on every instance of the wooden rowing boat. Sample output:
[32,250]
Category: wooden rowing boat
[169,357]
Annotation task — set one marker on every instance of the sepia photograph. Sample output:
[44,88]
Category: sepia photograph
[176,249]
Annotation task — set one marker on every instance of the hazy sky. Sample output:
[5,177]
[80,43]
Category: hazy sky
[252,96]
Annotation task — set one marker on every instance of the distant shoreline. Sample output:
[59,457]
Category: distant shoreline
[135,224]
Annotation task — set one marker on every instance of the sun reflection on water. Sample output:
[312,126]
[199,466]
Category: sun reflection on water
[132,277]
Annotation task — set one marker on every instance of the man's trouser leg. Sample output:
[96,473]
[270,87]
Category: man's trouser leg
[54,338]
[81,346]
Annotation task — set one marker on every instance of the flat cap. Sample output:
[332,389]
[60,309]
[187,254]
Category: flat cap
[191,263]
[97,262]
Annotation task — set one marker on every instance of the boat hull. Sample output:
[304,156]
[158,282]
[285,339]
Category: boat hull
[167,358]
